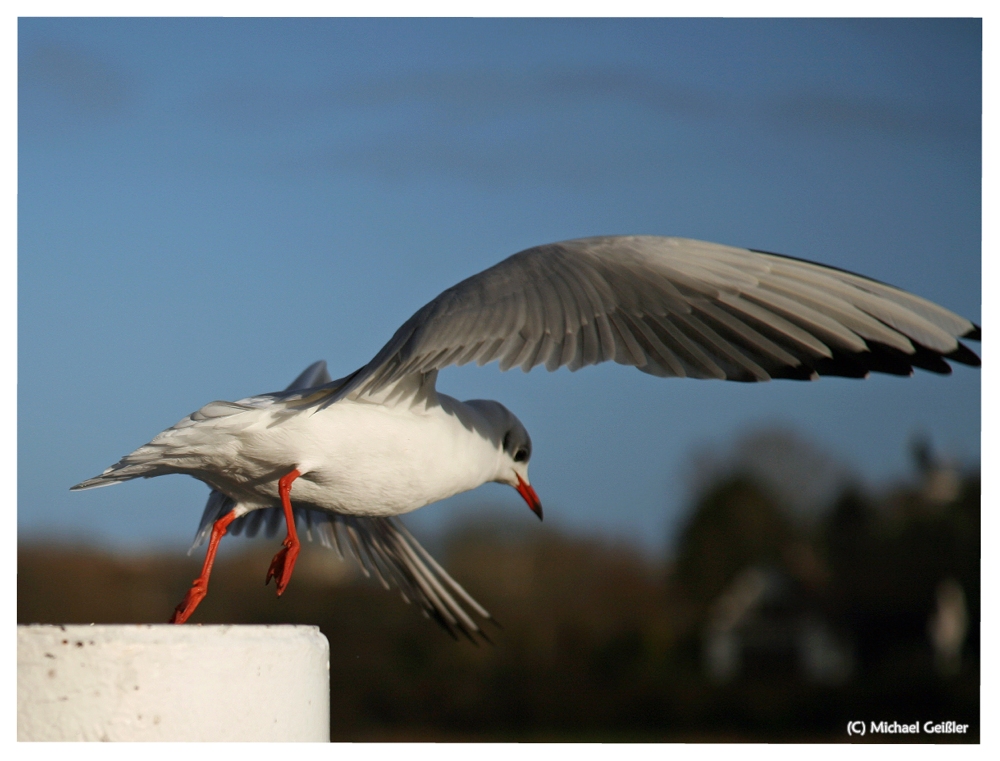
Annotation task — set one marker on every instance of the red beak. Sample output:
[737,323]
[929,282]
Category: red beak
[525,490]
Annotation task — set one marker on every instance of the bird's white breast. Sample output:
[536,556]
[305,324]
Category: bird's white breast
[356,457]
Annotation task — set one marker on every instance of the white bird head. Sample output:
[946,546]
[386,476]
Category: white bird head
[515,449]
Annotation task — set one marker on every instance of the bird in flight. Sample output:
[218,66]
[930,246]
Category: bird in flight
[345,457]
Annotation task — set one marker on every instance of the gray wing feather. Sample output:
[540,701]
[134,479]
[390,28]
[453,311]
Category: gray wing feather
[670,307]
[314,375]
[382,547]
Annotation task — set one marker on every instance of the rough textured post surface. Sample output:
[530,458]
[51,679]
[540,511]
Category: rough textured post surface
[163,682]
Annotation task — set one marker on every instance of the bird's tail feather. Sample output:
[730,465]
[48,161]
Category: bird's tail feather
[139,464]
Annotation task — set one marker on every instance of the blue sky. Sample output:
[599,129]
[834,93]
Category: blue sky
[206,206]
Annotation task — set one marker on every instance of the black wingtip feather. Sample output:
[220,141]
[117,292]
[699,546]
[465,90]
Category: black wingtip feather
[843,365]
[454,629]
[976,334]
[880,358]
[965,355]
[798,372]
[440,620]
[922,358]
[468,636]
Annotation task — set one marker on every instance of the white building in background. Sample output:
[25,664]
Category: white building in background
[760,624]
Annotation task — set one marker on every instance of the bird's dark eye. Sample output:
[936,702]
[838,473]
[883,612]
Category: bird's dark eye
[520,455]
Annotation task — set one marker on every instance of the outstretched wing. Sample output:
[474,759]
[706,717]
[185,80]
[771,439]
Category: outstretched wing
[670,307]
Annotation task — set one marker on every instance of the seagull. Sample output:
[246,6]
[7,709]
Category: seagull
[382,546]
[356,452]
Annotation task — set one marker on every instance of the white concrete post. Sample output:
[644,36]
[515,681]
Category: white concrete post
[164,682]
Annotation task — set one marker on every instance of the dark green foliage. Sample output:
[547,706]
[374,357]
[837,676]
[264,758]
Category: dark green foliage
[734,525]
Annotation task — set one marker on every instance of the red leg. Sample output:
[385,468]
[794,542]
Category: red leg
[200,587]
[284,561]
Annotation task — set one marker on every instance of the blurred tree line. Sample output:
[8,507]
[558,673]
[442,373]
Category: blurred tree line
[762,622]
